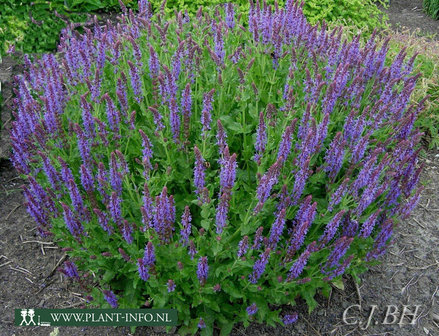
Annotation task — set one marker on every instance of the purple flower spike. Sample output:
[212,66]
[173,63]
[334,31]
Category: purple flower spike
[202,270]
[337,196]
[103,221]
[290,319]
[206,117]
[83,145]
[149,255]
[121,94]
[51,173]
[267,182]
[186,223]
[381,240]
[277,229]
[86,179]
[252,309]
[147,151]
[164,216]
[331,228]
[199,169]
[258,238]
[143,270]
[74,226]
[127,232]
[230,15]
[221,212]
[154,64]
[340,269]
[221,137]
[243,246]
[76,198]
[192,250]
[114,207]
[298,266]
[87,118]
[228,173]
[171,286]
[259,266]
[369,224]
[334,156]
[70,269]
[201,324]
[340,248]
[147,208]
[285,145]
[113,115]
[135,81]
[174,119]
[411,203]
[111,298]
[261,138]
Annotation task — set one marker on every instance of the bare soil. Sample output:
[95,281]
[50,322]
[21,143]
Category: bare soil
[409,14]
[408,275]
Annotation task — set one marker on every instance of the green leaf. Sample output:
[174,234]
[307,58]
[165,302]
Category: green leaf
[338,283]
[308,295]
[108,276]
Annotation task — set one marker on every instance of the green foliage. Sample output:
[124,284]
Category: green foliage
[431,7]
[31,26]
[363,14]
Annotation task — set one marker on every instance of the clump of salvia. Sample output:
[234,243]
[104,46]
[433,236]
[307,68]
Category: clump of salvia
[199,164]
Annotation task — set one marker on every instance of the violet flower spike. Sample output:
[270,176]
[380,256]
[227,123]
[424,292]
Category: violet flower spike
[331,228]
[261,138]
[86,178]
[103,221]
[70,269]
[290,319]
[143,270]
[135,81]
[171,286]
[221,212]
[338,194]
[186,223]
[74,226]
[201,323]
[277,229]
[259,266]
[147,208]
[242,247]
[146,152]
[258,238]
[111,298]
[114,207]
[340,248]
[206,117]
[228,173]
[199,171]
[192,250]
[298,266]
[202,270]
[221,137]
[252,309]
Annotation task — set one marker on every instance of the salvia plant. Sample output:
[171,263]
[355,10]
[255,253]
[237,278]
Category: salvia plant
[223,171]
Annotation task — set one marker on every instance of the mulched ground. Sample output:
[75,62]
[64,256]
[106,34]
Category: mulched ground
[408,14]
[409,274]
